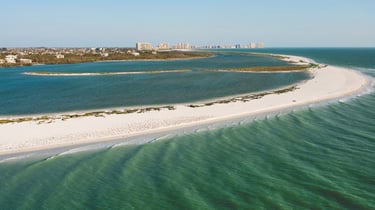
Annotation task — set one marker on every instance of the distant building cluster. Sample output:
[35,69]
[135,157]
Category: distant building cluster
[251,45]
[12,59]
[22,56]
[146,46]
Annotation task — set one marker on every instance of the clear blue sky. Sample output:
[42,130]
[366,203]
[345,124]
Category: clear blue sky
[277,23]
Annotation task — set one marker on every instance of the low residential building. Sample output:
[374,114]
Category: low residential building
[143,46]
[26,61]
[104,54]
[11,58]
[100,49]
[59,56]
[135,53]
[2,61]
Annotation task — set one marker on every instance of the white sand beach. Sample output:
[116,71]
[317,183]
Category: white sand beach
[328,82]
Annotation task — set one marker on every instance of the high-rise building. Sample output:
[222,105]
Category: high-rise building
[253,45]
[260,45]
[163,46]
[143,46]
[182,46]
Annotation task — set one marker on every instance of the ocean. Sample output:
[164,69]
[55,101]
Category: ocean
[317,157]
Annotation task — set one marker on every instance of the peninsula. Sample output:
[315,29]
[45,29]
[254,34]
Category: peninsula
[112,126]
[37,56]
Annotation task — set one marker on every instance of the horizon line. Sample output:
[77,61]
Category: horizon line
[270,47]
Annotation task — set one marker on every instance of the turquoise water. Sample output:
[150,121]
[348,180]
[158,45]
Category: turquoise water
[184,81]
[319,157]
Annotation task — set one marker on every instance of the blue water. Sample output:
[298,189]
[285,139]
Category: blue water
[189,80]
[320,157]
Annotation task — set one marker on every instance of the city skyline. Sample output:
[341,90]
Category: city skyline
[112,23]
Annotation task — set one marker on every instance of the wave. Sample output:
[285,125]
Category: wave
[68,74]
[81,149]
[15,158]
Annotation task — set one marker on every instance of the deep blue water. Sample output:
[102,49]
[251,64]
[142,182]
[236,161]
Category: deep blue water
[319,157]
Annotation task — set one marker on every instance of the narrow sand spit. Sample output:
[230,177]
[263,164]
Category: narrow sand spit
[328,83]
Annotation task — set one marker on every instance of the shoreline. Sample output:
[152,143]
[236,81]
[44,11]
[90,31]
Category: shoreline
[6,66]
[122,128]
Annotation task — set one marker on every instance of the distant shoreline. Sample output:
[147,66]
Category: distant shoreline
[91,58]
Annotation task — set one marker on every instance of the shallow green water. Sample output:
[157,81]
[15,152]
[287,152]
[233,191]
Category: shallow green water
[320,157]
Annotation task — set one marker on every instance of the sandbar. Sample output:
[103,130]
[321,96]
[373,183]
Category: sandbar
[327,83]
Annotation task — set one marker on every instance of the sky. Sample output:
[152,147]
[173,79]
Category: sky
[116,23]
